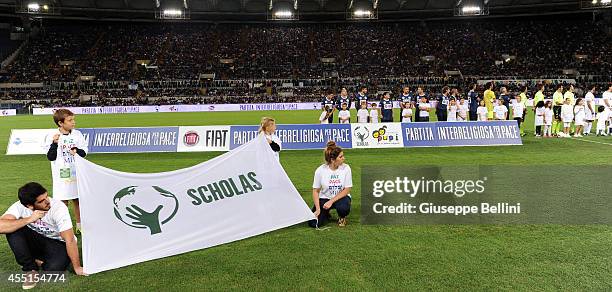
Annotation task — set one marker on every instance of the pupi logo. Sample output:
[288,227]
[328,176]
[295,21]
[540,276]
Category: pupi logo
[191,138]
[381,135]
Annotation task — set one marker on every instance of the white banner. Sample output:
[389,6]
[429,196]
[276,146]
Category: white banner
[8,112]
[182,108]
[203,138]
[130,218]
[27,141]
[379,135]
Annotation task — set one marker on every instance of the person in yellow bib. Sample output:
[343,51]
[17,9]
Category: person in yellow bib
[523,101]
[569,93]
[557,104]
[489,97]
[539,96]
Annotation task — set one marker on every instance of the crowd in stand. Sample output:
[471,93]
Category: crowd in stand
[529,48]
[153,63]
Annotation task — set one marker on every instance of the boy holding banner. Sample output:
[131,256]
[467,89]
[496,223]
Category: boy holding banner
[61,146]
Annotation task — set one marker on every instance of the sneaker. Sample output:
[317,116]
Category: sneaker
[30,281]
[342,222]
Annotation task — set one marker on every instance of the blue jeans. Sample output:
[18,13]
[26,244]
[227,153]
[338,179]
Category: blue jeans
[342,206]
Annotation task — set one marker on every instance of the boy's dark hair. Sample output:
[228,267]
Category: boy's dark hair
[29,192]
[601,108]
[445,89]
[559,86]
[362,87]
[60,115]
[540,103]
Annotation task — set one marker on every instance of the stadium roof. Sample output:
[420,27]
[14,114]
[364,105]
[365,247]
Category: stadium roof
[236,10]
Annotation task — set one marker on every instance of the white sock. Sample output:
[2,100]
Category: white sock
[587,128]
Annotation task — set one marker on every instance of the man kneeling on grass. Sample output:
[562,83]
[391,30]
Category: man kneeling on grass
[39,232]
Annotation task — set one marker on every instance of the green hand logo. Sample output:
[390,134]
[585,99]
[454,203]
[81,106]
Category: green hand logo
[135,216]
[361,133]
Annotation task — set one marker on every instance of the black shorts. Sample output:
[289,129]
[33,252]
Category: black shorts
[557,112]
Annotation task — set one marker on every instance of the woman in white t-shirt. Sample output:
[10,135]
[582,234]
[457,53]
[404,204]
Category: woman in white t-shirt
[267,128]
[331,187]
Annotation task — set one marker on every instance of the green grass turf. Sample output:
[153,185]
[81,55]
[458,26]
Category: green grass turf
[439,257]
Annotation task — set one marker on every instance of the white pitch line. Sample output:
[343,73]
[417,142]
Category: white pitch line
[609,144]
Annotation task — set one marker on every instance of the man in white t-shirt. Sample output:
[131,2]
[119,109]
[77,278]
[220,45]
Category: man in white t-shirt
[39,232]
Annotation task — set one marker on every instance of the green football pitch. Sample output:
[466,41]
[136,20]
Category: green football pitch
[356,257]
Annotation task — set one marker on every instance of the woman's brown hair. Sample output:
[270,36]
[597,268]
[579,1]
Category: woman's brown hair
[332,151]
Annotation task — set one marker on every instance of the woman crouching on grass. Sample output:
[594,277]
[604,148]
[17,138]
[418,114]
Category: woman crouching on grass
[331,187]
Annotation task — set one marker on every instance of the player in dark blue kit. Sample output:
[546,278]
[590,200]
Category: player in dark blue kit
[406,97]
[329,101]
[343,98]
[362,95]
[505,97]
[386,108]
[442,106]
[474,101]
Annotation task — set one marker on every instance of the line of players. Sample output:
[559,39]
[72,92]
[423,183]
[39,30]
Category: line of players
[559,117]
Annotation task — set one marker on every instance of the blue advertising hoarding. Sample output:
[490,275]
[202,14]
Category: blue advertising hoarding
[124,140]
[297,136]
[436,134]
